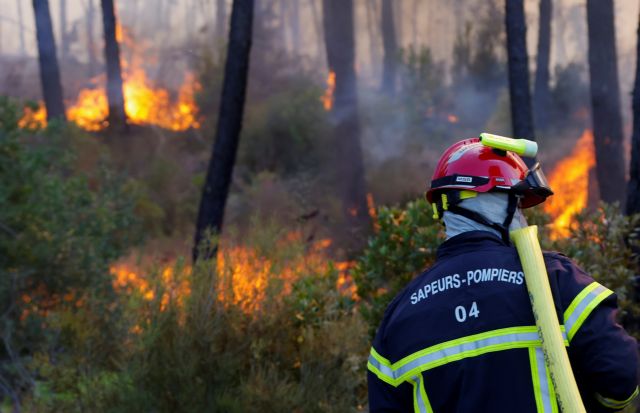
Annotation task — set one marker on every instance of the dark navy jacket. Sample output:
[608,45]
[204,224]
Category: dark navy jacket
[461,337]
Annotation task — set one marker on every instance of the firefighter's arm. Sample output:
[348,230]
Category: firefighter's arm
[385,398]
[605,359]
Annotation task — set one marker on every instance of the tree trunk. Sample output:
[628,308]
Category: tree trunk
[633,188]
[220,170]
[221,19]
[605,100]
[23,48]
[340,44]
[541,92]
[296,35]
[372,25]
[64,37]
[414,23]
[317,25]
[49,71]
[115,95]
[390,48]
[91,47]
[521,116]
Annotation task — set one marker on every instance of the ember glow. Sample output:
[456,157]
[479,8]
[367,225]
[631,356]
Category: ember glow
[327,98]
[570,182]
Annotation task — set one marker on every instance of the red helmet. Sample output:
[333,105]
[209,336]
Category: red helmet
[471,166]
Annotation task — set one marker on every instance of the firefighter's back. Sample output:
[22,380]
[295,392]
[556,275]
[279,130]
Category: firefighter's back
[462,334]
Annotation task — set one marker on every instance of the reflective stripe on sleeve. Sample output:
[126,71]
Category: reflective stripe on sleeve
[543,390]
[453,350]
[617,404]
[583,305]
[421,402]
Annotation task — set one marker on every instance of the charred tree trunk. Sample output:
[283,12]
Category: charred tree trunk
[521,116]
[220,170]
[633,188]
[23,48]
[115,95]
[605,100]
[340,44]
[91,46]
[390,48]
[541,92]
[64,37]
[49,71]
[221,19]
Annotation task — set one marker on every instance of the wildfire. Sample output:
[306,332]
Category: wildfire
[243,276]
[145,104]
[33,118]
[570,180]
[327,98]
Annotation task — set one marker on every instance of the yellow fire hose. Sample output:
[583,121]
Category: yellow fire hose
[555,353]
[537,281]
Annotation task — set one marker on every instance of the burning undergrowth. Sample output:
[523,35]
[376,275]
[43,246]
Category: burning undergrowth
[245,275]
[146,103]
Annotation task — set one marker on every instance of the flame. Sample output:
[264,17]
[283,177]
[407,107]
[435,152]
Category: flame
[570,179]
[327,98]
[33,119]
[243,276]
[452,118]
[145,103]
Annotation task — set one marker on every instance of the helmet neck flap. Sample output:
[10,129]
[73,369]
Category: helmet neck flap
[453,205]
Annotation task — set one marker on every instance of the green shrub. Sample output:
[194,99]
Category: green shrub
[285,133]
[604,242]
[60,227]
[405,243]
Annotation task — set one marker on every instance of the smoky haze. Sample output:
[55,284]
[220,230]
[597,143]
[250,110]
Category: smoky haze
[173,33]
[431,23]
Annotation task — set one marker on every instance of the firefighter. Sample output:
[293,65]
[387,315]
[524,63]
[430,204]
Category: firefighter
[461,337]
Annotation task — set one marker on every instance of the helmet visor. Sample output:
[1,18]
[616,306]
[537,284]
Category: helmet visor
[534,187]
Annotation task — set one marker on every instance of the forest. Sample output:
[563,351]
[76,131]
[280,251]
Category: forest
[207,205]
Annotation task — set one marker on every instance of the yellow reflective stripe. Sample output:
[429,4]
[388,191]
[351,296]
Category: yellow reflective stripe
[552,390]
[421,402]
[382,375]
[617,404]
[582,305]
[464,194]
[535,377]
[378,357]
[453,350]
[543,390]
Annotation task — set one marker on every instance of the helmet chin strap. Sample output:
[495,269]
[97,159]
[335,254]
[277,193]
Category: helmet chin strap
[503,228]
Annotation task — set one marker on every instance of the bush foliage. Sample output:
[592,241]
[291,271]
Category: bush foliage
[60,227]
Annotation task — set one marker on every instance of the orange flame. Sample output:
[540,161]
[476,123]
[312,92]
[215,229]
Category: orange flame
[244,276]
[33,119]
[570,179]
[452,118]
[327,98]
[145,104]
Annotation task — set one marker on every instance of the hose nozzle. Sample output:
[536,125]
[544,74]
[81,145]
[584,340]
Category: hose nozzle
[522,147]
